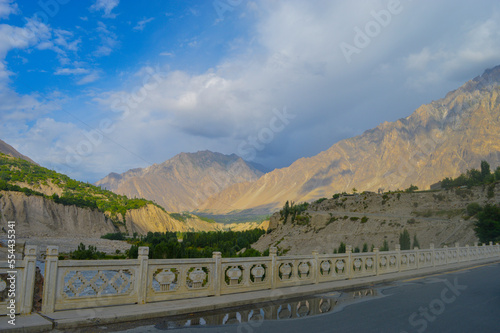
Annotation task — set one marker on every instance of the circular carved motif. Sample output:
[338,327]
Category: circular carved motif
[286,269]
[325,266]
[340,264]
[165,277]
[258,271]
[304,268]
[234,273]
[392,260]
[357,263]
[383,261]
[412,258]
[369,262]
[403,259]
[198,275]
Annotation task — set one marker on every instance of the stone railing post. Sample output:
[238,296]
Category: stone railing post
[446,252]
[50,279]
[273,253]
[28,283]
[349,263]
[467,253]
[433,255]
[316,267]
[417,257]
[398,256]
[142,274]
[457,250]
[217,256]
[376,255]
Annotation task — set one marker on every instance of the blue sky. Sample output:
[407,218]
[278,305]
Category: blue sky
[91,87]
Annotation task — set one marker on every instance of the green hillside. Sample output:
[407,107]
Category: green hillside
[15,172]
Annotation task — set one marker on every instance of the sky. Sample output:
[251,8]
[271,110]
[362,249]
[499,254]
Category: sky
[99,86]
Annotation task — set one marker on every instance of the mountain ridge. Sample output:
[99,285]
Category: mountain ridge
[441,139]
[7,149]
[184,181]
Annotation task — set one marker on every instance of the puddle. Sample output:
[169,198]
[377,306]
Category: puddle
[290,309]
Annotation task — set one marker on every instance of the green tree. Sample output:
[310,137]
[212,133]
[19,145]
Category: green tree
[497,173]
[385,246]
[415,242]
[411,189]
[487,227]
[473,208]
[365,247]
[405,240]
[485,170]
[342,248]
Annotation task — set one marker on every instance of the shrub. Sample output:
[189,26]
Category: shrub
[364,219]
[342,248]
[473,208]
[84,254]
[404,240]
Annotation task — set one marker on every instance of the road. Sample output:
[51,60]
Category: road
[466,300]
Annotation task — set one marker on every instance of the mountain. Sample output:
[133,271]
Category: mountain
[46,203]
[440,139]
[184,181]
[7,149]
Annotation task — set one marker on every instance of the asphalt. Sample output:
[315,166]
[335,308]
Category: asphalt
[72,319]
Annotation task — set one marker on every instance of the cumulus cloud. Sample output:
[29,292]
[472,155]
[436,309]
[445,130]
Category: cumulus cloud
[292,59]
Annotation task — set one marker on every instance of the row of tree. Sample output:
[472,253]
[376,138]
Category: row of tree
[473,177]
[170,245]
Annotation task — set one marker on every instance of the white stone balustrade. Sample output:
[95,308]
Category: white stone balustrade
[78,284]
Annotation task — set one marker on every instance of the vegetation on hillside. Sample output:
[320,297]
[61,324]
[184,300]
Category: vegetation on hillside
[14,172]
[170,245]
[487,225]
[295,212]
[473,177]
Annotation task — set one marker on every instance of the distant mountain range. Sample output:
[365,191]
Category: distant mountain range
[185,181]
[440,139]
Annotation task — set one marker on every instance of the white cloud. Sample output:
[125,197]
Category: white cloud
[106,6]
[8,7]
[142,23]
[109,41]
[167,54]
[71,71]
[94,76]
[291,59]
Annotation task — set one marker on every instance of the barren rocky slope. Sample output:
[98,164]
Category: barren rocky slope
[184,181]
[37,216]
[435,217]
[440,139]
